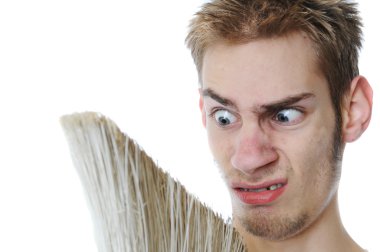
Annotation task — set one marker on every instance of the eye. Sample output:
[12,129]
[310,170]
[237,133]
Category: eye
[288,116]
[224,117]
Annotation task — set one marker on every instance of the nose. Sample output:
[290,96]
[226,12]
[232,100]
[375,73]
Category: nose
[252,150]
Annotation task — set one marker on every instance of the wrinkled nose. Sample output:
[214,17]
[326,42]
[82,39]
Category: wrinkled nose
[252,150]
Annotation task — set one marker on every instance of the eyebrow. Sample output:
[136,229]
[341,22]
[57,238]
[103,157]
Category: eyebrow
[271,107]
[286,102]
[224,101]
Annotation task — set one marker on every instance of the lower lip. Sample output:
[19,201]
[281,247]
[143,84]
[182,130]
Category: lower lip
[259,198]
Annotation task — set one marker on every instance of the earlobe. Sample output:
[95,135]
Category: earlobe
[357,109]
[201,107]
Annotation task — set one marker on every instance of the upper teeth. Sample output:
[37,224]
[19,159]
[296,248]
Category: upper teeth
[274,187]
[271,188]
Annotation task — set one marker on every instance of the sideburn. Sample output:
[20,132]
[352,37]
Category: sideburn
[337,154]
[337,148]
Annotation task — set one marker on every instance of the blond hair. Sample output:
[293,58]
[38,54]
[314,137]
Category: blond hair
[334,26]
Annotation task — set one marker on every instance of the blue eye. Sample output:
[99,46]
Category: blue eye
[288,116]
[224,117]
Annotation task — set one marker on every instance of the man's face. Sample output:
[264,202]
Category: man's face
[270,124]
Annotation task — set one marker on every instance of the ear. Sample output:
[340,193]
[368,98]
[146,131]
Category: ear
[201,107]
[357,109]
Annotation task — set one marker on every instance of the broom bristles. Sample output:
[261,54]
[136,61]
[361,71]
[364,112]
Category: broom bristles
[136,206]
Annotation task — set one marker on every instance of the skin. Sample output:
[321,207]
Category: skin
[269,117]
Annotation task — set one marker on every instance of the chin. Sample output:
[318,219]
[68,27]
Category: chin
[269,227]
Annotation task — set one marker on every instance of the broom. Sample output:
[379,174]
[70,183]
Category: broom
[135,205]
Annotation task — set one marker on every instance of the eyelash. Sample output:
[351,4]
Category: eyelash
[275,112]
[213,111]
[295,108]
[269,114]
[217,109]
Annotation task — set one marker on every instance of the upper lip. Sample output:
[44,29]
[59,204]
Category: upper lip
[259,186]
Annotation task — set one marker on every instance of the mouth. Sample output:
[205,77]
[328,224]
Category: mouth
[261,194]
[269,188]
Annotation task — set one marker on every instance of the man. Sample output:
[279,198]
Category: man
[281,95]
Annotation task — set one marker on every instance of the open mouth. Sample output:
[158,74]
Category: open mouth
[262,194]
[269,188]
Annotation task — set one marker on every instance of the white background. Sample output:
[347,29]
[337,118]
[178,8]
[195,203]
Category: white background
[126,59]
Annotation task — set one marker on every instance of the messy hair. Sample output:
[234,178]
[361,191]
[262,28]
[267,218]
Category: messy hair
[334,26]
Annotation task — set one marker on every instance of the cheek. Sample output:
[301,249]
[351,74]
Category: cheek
[220,144]
[315,166]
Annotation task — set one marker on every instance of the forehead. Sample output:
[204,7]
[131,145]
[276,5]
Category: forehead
[270,68]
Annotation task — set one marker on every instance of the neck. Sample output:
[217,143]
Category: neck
[324,234]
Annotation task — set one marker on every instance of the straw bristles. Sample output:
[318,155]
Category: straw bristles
[135,205]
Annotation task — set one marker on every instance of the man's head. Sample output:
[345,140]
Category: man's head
[333,26]
[279,96]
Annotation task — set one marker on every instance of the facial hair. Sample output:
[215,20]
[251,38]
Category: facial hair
[277,228]
[283,227]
